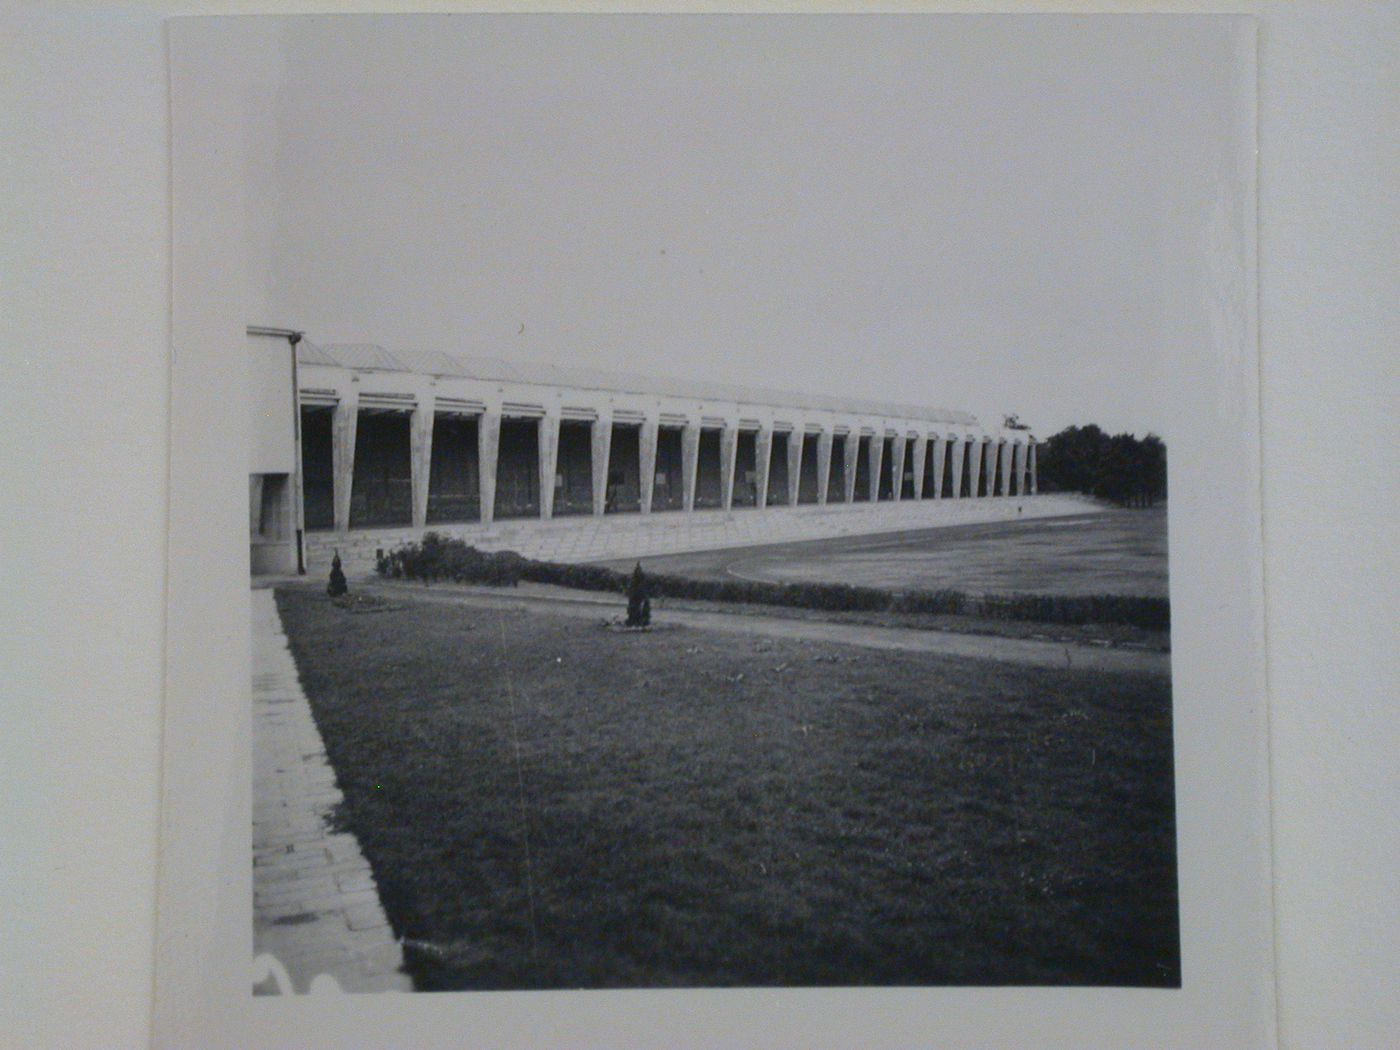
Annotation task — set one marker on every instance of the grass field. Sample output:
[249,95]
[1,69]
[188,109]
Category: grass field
[1108,552]
[547,804]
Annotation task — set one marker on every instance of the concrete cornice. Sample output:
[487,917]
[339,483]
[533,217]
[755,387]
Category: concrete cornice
[368,357]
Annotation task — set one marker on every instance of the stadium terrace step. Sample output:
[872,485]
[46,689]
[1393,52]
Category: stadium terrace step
[585,539]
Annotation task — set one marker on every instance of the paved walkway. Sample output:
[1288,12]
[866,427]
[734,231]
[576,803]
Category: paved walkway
[1025,651]
[316,912]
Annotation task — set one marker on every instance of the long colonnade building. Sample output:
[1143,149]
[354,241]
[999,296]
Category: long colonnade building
[413,440]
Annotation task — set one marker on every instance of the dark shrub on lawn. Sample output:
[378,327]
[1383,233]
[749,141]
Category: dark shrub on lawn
[638,604]
[337,585]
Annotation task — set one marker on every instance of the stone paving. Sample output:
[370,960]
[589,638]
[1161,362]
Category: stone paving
[316,909]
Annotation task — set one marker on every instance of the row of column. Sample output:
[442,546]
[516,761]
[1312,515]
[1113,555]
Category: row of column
[1008,465]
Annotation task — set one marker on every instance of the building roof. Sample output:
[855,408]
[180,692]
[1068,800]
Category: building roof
[370,357]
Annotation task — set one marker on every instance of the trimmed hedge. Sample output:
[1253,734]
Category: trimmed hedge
[437,558]
[579,577]
[441,558]
[1150,613]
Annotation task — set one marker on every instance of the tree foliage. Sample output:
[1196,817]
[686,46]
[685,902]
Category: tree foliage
[1120,467]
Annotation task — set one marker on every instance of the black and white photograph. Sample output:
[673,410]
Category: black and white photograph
[708,504]
[708,489]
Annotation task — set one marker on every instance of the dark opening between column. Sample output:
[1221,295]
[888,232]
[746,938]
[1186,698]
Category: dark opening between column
[708,482]
[317,473]
[573,470]
[886,490]
[778,471]
[668,486]
[625,470]
[382,490]
[930,457]
[746,471]
[906,488]
[454,480]
[965,478]
[518,469]
[836,470]
[807,470]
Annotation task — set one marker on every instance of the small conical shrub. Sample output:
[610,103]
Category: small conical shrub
[337,586]
[638,604]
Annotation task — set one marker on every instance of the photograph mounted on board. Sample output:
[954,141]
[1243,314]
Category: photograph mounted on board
[707,492]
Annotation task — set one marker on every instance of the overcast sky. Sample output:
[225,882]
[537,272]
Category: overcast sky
[1002,214]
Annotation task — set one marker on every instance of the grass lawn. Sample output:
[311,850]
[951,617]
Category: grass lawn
[1108,551]
[547,804]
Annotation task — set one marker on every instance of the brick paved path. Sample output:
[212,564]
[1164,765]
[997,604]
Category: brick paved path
[315,906]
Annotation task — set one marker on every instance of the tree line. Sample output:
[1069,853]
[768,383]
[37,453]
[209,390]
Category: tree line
[1128,470]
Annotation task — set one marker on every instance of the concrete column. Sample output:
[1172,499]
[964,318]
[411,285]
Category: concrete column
[896,466]
[876,457]
[960,447]
[763,454]
[602,451]
[343,426]
[1031,452]
[1004,448]
[1018,469]
[549,458]
[488,444]
[795,441]
[823,465]
[920,457]
[646,443]
[690,461]
[975,455]
[420,455]
[852,456]
[940,453]
[989,467]
[728,453]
